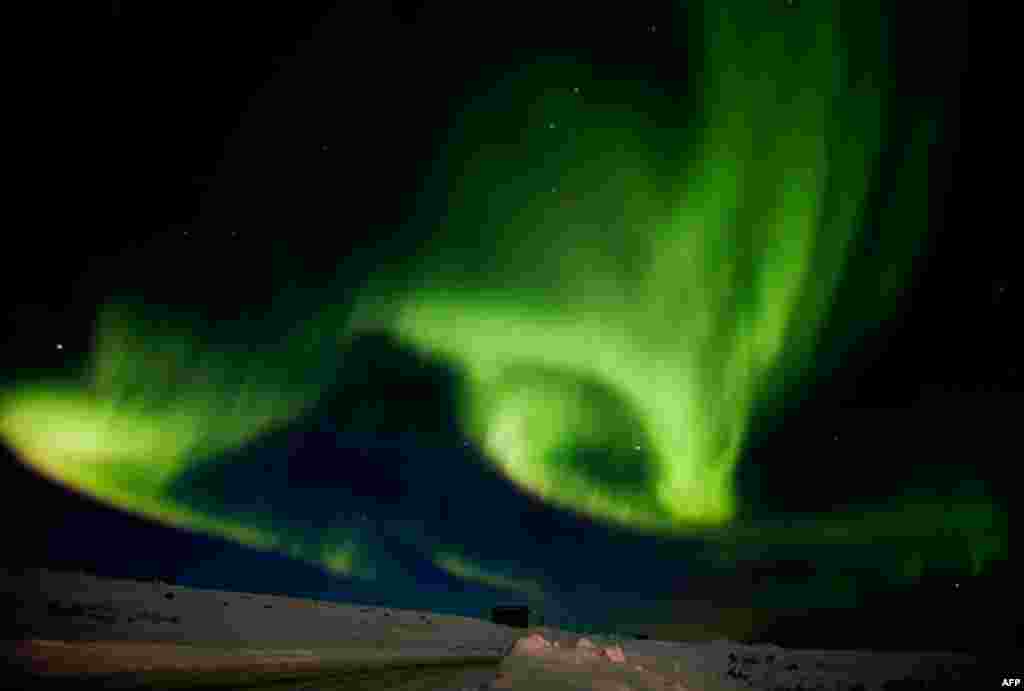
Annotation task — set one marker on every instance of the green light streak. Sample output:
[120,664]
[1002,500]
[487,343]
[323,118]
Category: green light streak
[674,295]
[637,275]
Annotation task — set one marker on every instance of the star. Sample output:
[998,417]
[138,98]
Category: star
[60,346]
[998,290]
[323,147]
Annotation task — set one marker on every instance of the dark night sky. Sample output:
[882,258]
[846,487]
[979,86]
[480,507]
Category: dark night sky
[210,159]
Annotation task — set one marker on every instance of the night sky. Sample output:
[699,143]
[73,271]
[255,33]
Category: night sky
[666,317]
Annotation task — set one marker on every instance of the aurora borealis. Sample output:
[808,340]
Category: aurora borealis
[660,303]
[600,291]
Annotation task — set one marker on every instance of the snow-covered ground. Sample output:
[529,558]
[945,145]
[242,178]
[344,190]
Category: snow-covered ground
[52,606]
[72,606]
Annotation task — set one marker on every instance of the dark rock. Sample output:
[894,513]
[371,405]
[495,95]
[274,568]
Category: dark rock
[517,616]
[71,610]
